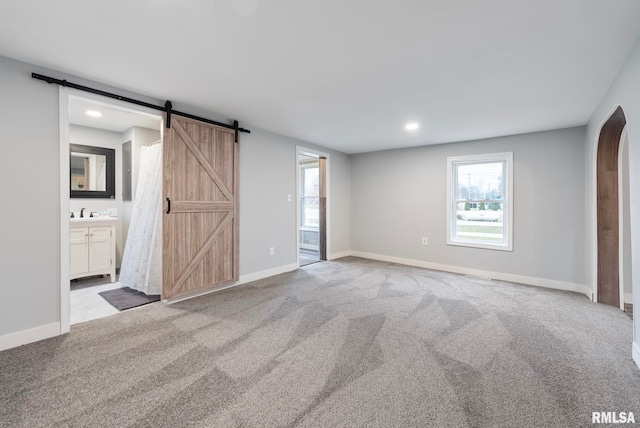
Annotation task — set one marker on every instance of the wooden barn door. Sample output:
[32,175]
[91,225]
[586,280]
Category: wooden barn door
[200,227]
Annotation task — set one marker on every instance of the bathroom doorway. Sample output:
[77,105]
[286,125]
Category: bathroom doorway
[312,198]
[94,222]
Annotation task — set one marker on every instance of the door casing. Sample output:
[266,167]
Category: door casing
[64,95]
[607,214]
[318,154]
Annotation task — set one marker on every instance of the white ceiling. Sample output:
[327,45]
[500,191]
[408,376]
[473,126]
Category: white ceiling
[112,119]
[344,74]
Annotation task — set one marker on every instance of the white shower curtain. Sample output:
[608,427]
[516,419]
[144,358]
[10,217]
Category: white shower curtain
[141,267]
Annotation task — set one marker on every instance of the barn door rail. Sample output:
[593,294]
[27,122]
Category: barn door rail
[167,108]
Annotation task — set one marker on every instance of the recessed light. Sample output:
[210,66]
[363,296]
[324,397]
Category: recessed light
[411,126]
[93,113]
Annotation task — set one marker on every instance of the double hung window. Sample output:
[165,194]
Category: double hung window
[479,206]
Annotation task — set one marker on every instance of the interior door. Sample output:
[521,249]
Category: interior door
[200,227]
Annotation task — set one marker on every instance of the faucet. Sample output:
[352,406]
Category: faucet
[82,213]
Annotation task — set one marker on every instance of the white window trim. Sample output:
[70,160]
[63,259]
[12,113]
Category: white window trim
[507,203]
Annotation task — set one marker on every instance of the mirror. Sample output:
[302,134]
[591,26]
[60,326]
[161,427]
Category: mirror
[91,172]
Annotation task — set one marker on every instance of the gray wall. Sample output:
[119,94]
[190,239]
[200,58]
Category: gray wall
[29,173]
[340,208]
[30,245]
[624,91]
[399,196]
[267,219]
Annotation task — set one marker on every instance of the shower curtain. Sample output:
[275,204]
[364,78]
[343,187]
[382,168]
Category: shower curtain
[141,267]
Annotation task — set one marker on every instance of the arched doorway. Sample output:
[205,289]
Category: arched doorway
[608,209]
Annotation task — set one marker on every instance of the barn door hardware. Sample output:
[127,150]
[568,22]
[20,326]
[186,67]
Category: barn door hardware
[167,108]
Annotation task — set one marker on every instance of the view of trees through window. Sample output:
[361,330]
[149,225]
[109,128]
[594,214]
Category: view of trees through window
[479,201]
[310,197]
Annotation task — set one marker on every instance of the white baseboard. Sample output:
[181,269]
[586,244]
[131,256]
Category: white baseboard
[520,279]
[243,280]
[628,298]
[266,273]
[20,338]
[341,254]
[635,352]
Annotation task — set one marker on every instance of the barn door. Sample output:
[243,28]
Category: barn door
[200,227]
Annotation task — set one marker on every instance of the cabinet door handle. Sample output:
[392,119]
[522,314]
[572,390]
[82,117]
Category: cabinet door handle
[168,205]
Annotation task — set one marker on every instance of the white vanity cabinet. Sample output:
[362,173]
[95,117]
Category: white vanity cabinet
[92,243]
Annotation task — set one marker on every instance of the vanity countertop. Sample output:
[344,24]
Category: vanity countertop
[92,221]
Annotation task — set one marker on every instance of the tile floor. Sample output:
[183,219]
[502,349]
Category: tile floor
[86,303]
[308,257]
[628,309]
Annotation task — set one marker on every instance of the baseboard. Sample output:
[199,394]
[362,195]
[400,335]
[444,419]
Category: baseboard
[266,273]
[635,352]
[243,280]
[20,338]
[520,279]
[628,298]
[341,254]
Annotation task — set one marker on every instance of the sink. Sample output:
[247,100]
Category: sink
[94,221]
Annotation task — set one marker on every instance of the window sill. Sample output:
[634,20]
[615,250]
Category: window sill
[499,247]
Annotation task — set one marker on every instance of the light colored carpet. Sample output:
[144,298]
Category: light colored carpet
[351,342]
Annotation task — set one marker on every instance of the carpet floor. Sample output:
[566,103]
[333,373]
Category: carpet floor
[351,342]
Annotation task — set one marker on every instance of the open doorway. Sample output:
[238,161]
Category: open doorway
[613,214]
[312,206]
[103,148]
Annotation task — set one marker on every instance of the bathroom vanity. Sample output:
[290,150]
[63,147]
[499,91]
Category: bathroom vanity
[92,247]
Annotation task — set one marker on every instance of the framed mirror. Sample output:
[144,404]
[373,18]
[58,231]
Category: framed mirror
[92,172]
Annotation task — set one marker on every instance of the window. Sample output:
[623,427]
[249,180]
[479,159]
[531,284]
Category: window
[479,212]
[310,185]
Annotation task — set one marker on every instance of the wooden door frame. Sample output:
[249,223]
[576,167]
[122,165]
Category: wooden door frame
[64,95]
[304,151]
[606,159]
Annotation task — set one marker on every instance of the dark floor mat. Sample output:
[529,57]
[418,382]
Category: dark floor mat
[127,298]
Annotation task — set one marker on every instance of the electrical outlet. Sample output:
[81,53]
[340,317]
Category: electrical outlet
[425,241]
[289,197]
[272,251]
